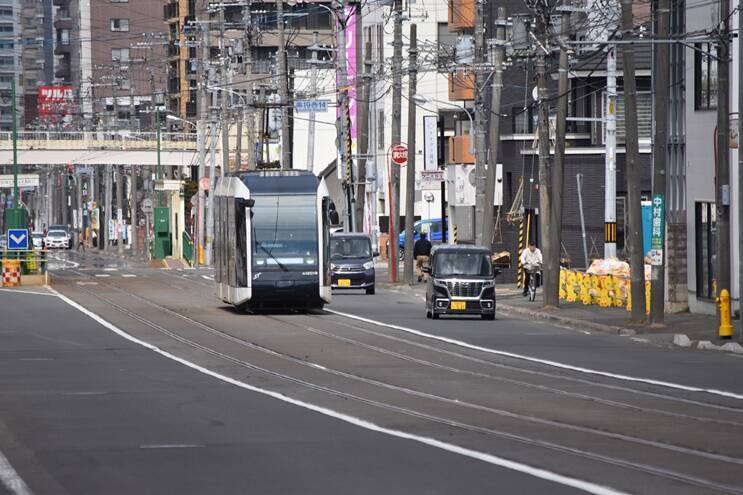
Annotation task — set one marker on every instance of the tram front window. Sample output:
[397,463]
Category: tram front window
[284,231]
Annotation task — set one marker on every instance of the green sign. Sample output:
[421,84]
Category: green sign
[657,230]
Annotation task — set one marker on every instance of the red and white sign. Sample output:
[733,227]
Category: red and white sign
[56,104]
[400,154]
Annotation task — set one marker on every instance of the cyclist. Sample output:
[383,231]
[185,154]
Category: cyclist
[531,260]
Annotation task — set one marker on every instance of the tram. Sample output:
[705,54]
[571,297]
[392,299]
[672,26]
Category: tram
[271,240]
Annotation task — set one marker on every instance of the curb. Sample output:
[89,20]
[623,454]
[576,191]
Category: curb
[530,314]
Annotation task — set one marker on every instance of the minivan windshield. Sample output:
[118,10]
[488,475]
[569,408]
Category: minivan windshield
[467,264]
[358,247]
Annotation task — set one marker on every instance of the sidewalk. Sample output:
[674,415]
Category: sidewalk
[697,328]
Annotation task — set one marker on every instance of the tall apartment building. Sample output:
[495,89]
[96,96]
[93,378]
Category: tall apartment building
[37,54]
[9,60]
[113,53]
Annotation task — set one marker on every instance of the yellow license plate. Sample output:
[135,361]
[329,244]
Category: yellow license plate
[458,305]
[344,282]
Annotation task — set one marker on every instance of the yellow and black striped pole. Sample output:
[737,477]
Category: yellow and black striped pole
[610,236]
[454,233]
[524,227]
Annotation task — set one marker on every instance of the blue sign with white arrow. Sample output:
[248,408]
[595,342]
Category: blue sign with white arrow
[17,239]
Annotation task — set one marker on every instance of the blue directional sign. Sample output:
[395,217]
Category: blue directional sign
[17,239]
[309,106]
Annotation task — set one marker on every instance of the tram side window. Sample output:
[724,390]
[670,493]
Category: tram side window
[241,258]
[326,239]
[218,244]
[225,253]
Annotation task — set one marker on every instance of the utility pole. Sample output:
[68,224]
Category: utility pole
[494,131]
[248,110]
[282,71]
[201,143]
[313,95]
[107,171]
[632,170]
[660,153]
[480,119]
[344,140]
[552,263]
[224,67]
[546,200]
[723,152]
[740,170]
[120,209]
[133,201]
[363,143]
[610,157]
[410,169]
[212,172]
[395,135]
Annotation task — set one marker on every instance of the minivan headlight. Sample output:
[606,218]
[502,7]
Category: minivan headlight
[368,265]
[333,266]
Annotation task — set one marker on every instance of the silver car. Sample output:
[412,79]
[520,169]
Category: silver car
[57,239]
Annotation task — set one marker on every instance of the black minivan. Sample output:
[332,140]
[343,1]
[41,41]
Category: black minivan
[351,262]
[461,282]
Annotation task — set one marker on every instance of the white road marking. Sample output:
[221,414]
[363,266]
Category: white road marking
[536,472]
[28,292]
[546,362]
[67,263]
[11,479]
[101,275]
[207,277]
[171,446]
[87,283]
[128,275]
[110,269]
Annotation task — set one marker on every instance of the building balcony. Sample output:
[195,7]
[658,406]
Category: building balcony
[63,72]
[171,11]
[174,49]
[461,15]
[174,85]
[63,22]
[461,85]
[61,3]
[62,49]
[459,150]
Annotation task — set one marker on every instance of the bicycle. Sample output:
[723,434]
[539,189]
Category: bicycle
[534,273]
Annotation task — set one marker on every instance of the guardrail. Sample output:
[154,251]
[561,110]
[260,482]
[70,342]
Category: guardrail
[99,140]
[32,262]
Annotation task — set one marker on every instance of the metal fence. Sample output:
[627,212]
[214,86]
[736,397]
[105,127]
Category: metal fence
[99,140]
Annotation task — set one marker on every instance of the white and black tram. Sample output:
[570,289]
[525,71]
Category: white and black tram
[271,240]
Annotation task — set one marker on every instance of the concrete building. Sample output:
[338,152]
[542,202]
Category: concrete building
[701,121]
[10,61]
[37,54]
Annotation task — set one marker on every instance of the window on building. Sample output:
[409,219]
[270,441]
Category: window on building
[705,254]
[6,44]
[63,36]
[522,120]
[6,11]
[705,77]
[123,83]
[121,25]
[6,28]
[120,54]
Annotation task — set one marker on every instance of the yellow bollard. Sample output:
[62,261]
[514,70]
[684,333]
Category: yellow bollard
[726,329]
[563,284]
[647,298]
[201,256]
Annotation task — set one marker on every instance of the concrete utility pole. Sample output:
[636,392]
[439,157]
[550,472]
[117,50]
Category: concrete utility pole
[201,143]
[740,171]
[632,170]
[214,134]
[410,169]
[550,250]
[313,95]
[610,157]
[395,136]
[494,131]
[660,152]
[134,241]
[224,68]
[723,151]
[480,119]
[107,171]
[363,91]
[120,209]
[282,72]
[552,264]
[344,140]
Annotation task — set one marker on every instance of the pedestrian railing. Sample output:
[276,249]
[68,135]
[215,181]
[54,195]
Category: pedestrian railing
[187,248]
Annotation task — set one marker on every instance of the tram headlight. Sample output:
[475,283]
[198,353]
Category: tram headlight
[368,265]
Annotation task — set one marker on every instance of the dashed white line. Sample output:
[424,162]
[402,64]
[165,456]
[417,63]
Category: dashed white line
[101,275]
[11,479]
[546,362]
[533,471]
[207,277]
[128,275]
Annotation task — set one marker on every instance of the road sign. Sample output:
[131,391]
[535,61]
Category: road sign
[400,154]
[168,185]
[24,180]
[430,142]
[310,106]
[204,184]
[657,230]
[147,205]
[17,239]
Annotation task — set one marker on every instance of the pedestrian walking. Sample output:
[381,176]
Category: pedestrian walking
[422,254]
[80,240]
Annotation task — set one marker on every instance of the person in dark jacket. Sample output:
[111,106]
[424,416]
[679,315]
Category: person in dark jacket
[422,254]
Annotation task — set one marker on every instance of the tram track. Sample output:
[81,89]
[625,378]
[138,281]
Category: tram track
[656,471]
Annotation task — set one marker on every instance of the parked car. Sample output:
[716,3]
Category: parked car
[461,282]
[57,239]
[351,262]
[434,228]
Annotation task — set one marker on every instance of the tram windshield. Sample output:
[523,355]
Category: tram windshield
[284,230]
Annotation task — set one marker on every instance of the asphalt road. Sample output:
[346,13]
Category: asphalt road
[170,391]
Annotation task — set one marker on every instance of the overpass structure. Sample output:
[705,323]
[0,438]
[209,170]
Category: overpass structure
[100,148]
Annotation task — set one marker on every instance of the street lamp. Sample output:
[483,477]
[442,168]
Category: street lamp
[178,119]
[423,100]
